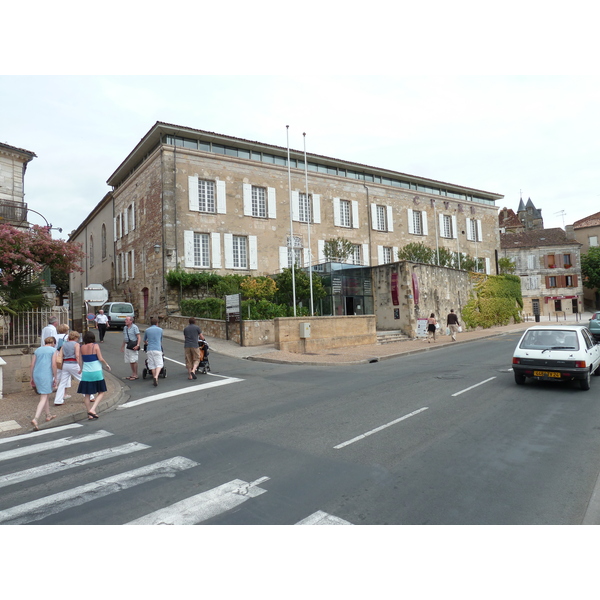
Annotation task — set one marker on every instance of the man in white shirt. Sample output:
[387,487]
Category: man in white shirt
[49,330]
[102,323]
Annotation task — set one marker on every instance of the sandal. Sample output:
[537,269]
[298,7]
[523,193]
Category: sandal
[50,417]
[92,416]
[35,425]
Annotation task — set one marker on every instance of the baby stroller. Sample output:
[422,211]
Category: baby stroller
[148,371]
[204,364]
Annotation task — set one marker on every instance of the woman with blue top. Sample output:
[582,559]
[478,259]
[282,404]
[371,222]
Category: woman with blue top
[43,376]
[92,379]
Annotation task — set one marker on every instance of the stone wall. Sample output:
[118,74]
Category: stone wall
[325,333]
[16,374]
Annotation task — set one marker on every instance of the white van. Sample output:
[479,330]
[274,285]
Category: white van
[116,313]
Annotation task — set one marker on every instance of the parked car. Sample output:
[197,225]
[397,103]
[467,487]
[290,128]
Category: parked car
[557,354]
[117,312]
[594,325]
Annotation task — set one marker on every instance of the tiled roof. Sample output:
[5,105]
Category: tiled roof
[15,149]
[591,221]
[535,238]
[511,219]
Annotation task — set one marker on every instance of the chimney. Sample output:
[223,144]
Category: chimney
[570,232]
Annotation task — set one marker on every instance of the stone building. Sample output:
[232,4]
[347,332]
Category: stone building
[13,164]
[548,263]
[526,218]
[204,201]
[587,233]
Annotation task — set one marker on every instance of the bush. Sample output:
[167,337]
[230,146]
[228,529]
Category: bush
[209,308]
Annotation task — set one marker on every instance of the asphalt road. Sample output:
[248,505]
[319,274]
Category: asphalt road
[443,437]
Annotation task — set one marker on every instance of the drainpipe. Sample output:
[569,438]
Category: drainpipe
[369,224]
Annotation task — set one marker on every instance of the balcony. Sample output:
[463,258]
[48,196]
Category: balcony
[14,212]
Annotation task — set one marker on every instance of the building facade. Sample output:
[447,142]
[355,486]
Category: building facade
[204,201]
[13,164]
[548,263]
[587,233]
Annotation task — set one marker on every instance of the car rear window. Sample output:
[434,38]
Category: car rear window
[554,339]
[121,308]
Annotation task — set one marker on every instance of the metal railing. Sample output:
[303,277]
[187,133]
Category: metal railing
[10,210]
[25,329]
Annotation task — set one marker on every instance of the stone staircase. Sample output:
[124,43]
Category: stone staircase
[389,337]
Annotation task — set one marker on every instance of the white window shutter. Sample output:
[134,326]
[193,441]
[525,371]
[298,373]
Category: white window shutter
[336,212]
[221,197]
[193,198]
[306,256]
[215,241]
[411,225]
[247,192]
[479,231]
[253,252]
[394,253]
[126,220]
[365,255]
[390,218]
[374,224]
[355,223]
[487,265]
[115,228]
[469,234]
[321,250]
[132,264]
[228,248]
[271,203]
[188,246]
[441,225]
[132,216]
[424,222]
[379,254]
[454,231]
[283,257]
[316,206]
[295,205]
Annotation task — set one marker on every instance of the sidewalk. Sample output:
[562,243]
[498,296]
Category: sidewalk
[17,410]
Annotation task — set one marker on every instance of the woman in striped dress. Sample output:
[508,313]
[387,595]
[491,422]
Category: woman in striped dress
[92,378]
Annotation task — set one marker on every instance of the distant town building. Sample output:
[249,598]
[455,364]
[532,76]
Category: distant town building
[548,263]
[587,233]
[13,164]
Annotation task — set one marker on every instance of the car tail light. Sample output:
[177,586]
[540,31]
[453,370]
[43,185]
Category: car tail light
[516,360]
[581,364]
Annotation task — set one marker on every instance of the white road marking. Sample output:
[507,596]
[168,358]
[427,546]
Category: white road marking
[184,365]
[179,392]
[472,387]
[50,505]
[35,448]
[69,463]
[204,506]
[322,518]
[364,435]
[38,433]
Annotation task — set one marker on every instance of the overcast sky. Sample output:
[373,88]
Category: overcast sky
[532,136]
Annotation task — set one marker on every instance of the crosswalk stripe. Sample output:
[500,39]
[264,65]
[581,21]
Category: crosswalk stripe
[69,463]
[179,392]
[204,506]
[50,505]
[322,518]
[35,448]
[33,434]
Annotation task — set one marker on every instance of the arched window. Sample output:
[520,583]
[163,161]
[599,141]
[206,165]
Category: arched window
[103,241]
[91,251]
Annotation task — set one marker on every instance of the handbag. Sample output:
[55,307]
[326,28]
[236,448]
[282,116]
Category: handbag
[59,359]
[459,329]
[131,344]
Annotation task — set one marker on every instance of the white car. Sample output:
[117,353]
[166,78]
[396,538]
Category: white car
[562,353]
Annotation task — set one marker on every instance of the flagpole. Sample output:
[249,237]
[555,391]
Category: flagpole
[291,243]
[310,273]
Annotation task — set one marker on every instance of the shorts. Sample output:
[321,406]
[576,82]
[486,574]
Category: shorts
[192,355]
[154,359]
[131,356]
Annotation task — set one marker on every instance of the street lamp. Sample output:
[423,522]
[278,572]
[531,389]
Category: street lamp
[48,225]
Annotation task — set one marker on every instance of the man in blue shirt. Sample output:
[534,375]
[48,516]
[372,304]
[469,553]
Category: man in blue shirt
[154,355]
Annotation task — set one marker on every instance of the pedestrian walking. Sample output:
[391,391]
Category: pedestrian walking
[431,328]
[92,384]
[61,338]
[154,352]
[452,323]
[71,367]
[102,324]
[131,346]
[192,333]
[49,330]
[43,376]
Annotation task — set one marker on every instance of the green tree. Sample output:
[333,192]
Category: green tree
[417,252]
[506,266]
[338,249]
[590,269]
[284,294]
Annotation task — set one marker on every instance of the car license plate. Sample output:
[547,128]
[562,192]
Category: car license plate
[546,374]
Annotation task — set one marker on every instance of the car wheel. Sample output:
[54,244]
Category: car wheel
[520,378]
[584,384]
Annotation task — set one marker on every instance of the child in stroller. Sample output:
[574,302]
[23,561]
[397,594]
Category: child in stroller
[204,364]
[147,370]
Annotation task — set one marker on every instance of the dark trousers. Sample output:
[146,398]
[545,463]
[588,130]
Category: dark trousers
[101,330]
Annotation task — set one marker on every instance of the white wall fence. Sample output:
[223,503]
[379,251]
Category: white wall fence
[25,328]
